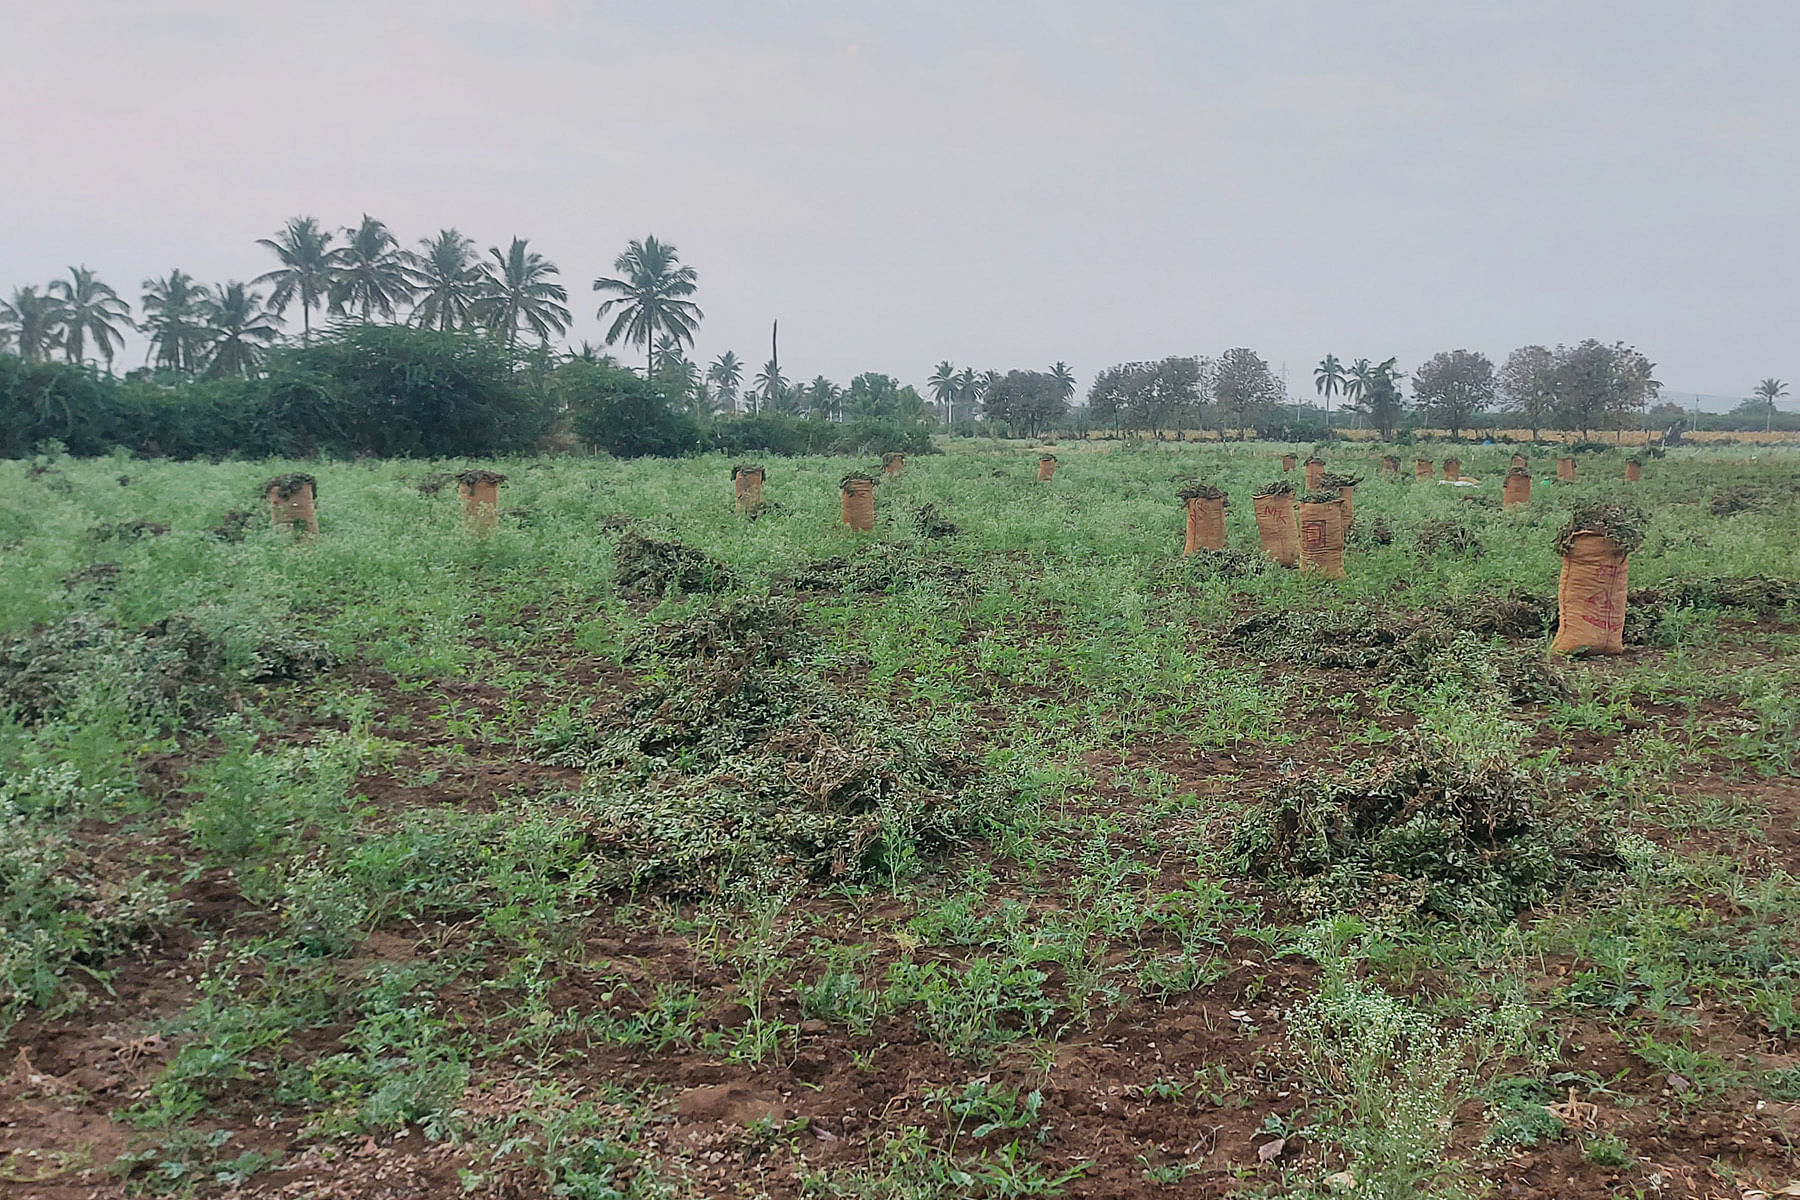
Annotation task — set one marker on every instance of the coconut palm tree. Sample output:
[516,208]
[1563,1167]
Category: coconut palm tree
[968,389]
[1769,391]
[307,266]
[822,397]
[1065,381]
[173,318]
[448,281]
[32,322]
[239,328]
[523,292]
[371,274]
[943,388]
[770,383]
[652,297]
[1329,379]
[725,374]
[90,309]
[985,384]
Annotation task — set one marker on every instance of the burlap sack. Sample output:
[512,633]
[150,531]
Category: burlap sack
[1322,539]
[1390,465]
[1315,471]
[747,485]
[1276,525]
[1422,468]
[292,507]
[1205,524]
[1565,470]
[893,464]
[1590,598]
[1452,468]
[481,504]
[1289,461]
[1633,472]
[1519,461]
[1516,490]
[859,504]
[1046,468]
[1347,497]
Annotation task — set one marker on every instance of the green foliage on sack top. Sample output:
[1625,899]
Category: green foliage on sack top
[1619,522]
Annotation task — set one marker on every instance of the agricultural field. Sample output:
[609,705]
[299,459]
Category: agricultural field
[643,847]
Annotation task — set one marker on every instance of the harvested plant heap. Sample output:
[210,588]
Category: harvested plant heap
[1518,473]
[166,672]
[746,468]
[127,531]
[1193,489]
[883,567]
[287,486]
[933,524]
[1437,830]
[1215,564]
[1278,487]
[1738,498]
[1423,650]
[1447,535]
[475,476]
[892,457]
[1373,532]
[736,766]
[1757,593]
[1313,460]
[648,567]
[1620,524]
[1319,496]
[1046,458]
[1333,479]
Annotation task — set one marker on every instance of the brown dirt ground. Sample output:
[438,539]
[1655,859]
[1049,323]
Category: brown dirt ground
[67,1076]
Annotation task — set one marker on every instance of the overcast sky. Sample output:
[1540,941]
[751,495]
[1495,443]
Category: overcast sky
[1000,184]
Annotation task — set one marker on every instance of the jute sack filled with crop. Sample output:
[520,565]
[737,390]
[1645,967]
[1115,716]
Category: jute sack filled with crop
[859,501]
[1590,594]
[1565,470]
[1289,462]
[1519,462]
[480,492]
[1517,488]
[746,484]
[1390,464]
[1046,467]
[291,502]
[1322,535]
[893,464]
[1315,471]
[1634,470]
[1422,468]
[1273,504]
[1205,516]
[1345,487]
[1452,468]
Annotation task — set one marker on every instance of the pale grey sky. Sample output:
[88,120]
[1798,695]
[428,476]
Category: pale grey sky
[1000,184]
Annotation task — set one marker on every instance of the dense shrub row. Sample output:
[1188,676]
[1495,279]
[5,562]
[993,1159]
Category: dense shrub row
[394,391]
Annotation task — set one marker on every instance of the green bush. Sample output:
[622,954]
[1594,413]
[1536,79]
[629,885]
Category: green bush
[622,413]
